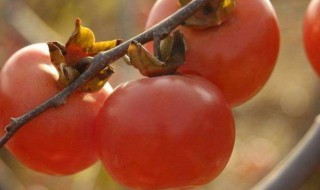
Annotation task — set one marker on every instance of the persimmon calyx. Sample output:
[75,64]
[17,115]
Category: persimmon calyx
[212,14]
[172,56]
[75,57]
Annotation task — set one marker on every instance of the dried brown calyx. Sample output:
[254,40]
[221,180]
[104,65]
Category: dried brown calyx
[76,56]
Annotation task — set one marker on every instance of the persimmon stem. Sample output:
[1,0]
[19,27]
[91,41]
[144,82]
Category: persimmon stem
[102,60]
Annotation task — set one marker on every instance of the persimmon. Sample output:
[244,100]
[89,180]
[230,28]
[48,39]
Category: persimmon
[238,56]
[165,132]
[59,141]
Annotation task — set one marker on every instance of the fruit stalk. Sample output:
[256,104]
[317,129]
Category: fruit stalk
[102,60]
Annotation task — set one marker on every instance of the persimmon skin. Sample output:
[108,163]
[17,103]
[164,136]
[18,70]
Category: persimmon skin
[60,141]
[237,56]
[165,132]
[311,34]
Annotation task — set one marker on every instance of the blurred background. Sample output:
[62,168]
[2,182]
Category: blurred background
[268,126]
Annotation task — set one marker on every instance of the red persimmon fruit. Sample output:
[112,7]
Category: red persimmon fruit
[165,132]
[311,34]
[59,141]
[238,56]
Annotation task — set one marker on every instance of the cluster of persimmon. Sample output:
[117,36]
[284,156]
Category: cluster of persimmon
[172,129]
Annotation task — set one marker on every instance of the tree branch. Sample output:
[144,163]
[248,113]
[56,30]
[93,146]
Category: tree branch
[298,166]
[100,61]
